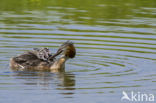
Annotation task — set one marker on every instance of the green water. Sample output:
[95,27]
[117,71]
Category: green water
[115,42]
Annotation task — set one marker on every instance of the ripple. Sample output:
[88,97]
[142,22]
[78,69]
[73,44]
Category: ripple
[115,51]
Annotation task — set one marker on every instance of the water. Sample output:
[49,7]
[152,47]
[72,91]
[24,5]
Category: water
[115,42]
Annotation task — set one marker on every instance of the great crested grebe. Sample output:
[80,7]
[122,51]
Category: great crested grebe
[43,60]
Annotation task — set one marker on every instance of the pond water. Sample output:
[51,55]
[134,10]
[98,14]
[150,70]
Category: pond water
[115,42]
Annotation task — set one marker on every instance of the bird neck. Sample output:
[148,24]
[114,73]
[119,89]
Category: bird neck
[59,64]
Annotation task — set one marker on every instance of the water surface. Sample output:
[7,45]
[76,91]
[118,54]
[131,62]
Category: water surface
[115,41]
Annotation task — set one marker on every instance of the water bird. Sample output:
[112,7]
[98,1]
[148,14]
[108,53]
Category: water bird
[40,59]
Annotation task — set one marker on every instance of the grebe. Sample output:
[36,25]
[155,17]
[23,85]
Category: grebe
[42,60]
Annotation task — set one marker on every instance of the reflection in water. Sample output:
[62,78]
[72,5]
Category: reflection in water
[48,81]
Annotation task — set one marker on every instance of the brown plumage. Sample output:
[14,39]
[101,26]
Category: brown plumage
[43,60]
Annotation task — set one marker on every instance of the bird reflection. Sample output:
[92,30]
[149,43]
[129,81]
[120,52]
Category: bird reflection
[48,81]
